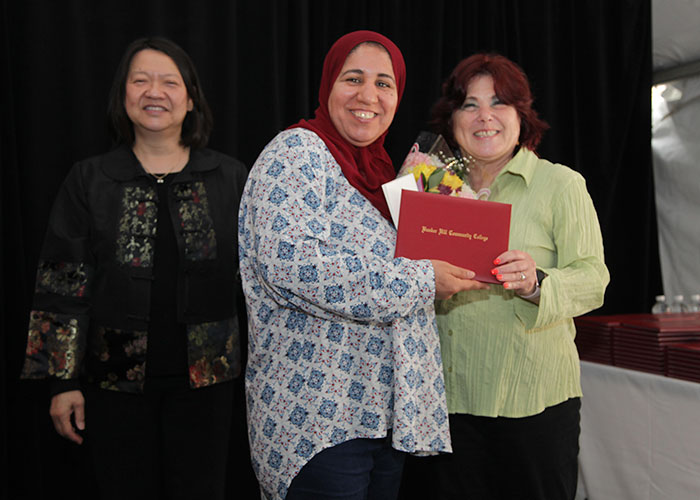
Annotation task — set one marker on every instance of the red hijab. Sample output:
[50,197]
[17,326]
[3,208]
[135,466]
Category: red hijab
[366,168]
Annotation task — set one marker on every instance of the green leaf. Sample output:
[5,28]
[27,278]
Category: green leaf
[435,178]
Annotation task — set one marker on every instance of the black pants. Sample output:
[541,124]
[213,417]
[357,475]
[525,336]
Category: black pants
[169,443]
[530,458]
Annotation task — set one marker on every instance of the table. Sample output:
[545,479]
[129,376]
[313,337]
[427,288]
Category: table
[640,436]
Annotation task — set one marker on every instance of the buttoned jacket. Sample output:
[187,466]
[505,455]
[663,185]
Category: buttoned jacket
[91,305]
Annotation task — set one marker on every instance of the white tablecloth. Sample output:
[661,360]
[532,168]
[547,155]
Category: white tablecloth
[640,436]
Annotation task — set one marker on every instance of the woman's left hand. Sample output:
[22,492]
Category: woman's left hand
[517,271]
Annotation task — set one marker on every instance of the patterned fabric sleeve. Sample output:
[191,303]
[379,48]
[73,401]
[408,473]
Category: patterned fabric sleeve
[312,254]
[59,317]
[342,336]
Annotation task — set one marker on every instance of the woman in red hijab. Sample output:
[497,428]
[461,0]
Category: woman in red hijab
[344,373]
[353,118]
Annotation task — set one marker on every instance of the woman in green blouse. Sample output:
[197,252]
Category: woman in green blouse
[511,366]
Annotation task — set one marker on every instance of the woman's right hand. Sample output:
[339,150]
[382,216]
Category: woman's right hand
[64,405]
[451,279]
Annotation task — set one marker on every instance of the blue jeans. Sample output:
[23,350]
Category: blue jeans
[359,469]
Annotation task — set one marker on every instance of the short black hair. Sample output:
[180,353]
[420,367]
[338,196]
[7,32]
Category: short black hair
[198,122]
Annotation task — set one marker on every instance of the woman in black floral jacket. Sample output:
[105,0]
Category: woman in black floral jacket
[135,308]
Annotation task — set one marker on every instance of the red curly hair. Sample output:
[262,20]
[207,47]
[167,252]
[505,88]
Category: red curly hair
[511,86]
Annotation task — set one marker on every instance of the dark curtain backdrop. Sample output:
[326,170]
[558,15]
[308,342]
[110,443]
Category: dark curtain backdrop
[589,63]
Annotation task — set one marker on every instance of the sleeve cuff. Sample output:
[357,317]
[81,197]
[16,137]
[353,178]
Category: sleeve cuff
[533,295]
[57,386]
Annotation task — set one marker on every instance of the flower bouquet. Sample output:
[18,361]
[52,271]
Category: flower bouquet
[435,167]
[462,228]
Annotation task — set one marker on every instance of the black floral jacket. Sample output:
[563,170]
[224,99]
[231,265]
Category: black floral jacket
[92,295]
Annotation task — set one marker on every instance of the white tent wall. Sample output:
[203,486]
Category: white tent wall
[676,159]
[675,32]
[676,142]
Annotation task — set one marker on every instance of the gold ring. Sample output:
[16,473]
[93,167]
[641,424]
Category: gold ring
[522,276]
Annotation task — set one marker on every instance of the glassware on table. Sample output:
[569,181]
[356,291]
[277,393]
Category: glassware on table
[678,304]
[694,303]
[660,306]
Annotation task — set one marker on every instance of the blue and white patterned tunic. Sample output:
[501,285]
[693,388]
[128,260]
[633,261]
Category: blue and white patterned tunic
[343,342]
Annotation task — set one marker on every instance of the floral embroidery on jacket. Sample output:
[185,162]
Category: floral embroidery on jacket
[69,279]
[54,347]
[122,356]
[195,221]
[100,245]
[214,352]
[137,226]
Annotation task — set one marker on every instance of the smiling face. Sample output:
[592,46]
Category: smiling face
[156,97]
[483,126]
[364,97]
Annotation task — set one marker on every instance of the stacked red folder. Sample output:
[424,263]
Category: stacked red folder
[640,343]
[594,337]
[683,361]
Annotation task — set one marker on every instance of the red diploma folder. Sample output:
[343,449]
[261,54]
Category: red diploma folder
[464,232]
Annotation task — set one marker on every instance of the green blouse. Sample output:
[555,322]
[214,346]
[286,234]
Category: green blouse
[503,355]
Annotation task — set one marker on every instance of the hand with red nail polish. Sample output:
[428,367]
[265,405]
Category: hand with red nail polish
[517,270]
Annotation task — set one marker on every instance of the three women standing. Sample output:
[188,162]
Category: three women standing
[345,372]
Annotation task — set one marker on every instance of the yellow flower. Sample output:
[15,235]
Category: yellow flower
[452,180]
[424,169]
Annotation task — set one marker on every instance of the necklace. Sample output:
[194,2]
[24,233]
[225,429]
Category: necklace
[159,177]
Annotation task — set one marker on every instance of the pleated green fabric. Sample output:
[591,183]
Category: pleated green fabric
[503,355]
